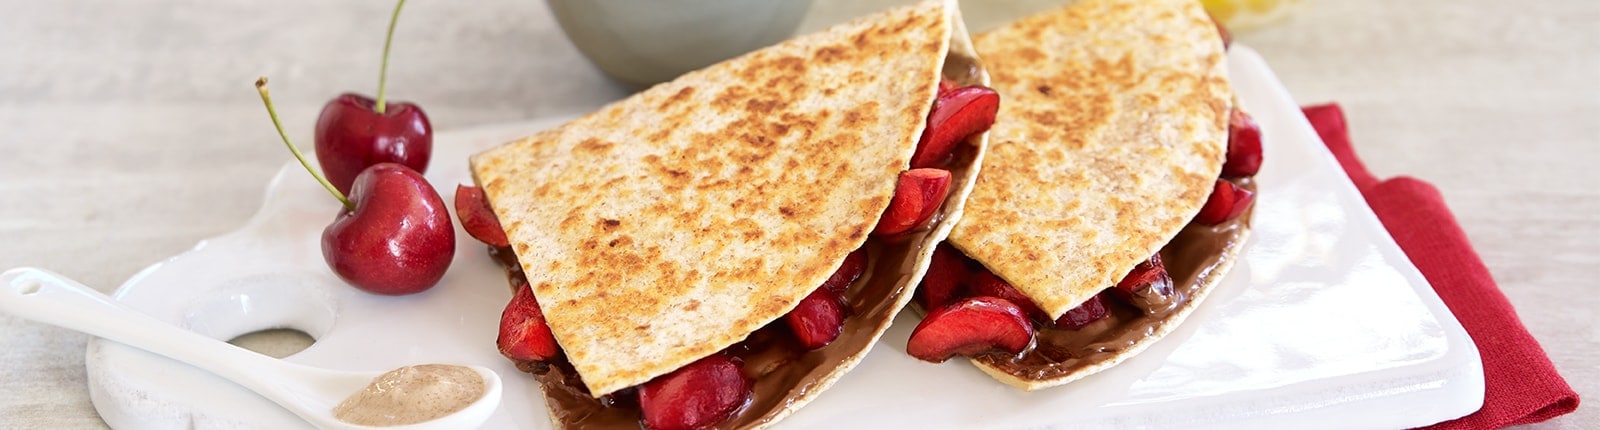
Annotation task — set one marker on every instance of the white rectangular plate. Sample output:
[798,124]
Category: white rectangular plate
[1324,323]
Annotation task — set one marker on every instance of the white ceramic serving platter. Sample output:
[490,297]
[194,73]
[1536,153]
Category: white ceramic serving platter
[1323,324]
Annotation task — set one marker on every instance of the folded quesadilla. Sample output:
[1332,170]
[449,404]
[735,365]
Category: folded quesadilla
[1116,193]
[690,252]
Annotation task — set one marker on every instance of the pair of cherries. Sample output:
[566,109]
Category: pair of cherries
[394,235]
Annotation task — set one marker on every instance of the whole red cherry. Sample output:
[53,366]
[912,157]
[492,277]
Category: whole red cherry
[352,134]
[397,239]
[355,131]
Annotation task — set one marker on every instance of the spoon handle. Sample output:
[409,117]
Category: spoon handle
[48,297]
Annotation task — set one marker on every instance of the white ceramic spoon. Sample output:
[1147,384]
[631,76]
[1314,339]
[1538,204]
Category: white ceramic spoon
[309,392]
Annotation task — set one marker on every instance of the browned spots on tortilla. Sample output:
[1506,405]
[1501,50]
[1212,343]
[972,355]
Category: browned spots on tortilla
[692,305]
[1047,120]
[761,106]
[792,64]
[858,77]
[730,99]
[1025,56]
[763,305]
[594,147]
[861,113]
[1033,33]
[829,54]
[660,135]
[860,40]
[678,97]
[1120,72]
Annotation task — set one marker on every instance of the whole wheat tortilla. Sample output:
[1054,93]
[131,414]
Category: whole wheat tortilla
[667,226]
[1113,130]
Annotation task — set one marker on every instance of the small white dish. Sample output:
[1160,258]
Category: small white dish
[1324,323]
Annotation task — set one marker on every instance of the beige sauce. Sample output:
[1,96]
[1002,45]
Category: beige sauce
[411,395]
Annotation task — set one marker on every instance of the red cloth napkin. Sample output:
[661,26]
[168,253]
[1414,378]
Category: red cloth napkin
[1521,385]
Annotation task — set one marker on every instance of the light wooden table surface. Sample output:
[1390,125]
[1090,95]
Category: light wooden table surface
[129,131]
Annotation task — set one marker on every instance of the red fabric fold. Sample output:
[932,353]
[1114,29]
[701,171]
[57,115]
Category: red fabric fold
[1521,384]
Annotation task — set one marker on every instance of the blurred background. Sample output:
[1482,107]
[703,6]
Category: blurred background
[129,130]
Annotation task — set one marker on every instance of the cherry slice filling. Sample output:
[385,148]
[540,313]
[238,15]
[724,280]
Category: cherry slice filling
[477,218]
[971,326]
[694,396]
[958,113]
[524,334]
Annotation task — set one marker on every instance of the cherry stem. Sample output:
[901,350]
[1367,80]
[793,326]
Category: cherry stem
[383,70]
[266,99]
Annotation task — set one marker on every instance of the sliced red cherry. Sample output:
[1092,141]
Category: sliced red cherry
[1086,313]
[968,327]
[818,319]
[985,283]
[695,396]
[946,278]
[854,265]
[1149,274]
[472,207]
[917,197]
[524,334]
[957,114]
[946,86]
[1227,202]
[1244,146]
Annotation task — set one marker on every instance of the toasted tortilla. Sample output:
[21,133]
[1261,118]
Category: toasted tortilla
[672,224]
[1112,133]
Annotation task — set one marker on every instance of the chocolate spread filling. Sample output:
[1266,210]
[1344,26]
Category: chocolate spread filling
[1190,258]
[781,369]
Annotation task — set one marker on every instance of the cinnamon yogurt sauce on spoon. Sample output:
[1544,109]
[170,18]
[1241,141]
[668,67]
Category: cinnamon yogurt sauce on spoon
[412,394]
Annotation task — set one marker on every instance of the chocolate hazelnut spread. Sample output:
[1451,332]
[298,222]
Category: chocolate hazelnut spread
[411,395]
[781,369]
[1191,259]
